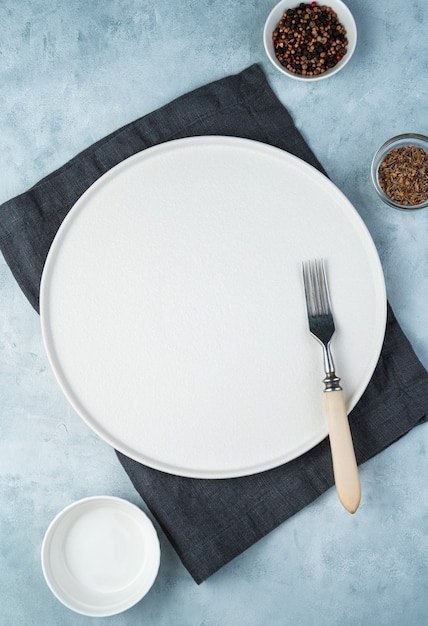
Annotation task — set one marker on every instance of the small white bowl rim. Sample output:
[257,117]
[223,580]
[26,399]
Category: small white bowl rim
[377,159]
[274,16]
[99,499]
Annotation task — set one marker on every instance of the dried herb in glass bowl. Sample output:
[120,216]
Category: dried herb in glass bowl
[400,171]
[403,175]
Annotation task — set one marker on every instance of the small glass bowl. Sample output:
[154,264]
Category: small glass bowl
[409,139]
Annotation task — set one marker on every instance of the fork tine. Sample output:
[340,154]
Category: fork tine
[317,288]
[323,287]
[308,287]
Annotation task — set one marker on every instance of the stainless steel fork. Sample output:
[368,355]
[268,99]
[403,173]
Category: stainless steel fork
[321,325]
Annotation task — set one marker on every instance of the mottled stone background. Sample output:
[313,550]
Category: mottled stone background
[71,72]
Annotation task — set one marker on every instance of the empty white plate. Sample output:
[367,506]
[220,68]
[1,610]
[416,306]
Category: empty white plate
[173,310]
[100,555]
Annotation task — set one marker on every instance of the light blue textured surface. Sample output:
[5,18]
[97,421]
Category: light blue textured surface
[71,72]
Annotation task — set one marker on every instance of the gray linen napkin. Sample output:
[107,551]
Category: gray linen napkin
[209,522]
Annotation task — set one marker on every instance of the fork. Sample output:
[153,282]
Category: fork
[321,325]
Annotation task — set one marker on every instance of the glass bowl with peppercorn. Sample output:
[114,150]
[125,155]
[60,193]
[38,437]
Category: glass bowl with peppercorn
[400,171]
[310,41]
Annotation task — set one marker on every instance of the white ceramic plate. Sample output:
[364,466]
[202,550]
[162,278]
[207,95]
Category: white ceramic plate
[173,313]
[100,555]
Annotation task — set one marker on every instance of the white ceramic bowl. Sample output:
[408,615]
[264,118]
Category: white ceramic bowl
[344,16]
[100,555]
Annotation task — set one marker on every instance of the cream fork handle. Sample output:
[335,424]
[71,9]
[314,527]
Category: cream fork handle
[345,467]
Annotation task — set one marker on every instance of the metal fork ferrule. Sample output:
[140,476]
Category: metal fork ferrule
[331,382]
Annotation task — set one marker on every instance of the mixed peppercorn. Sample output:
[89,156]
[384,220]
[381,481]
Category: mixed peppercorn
[403,175]
[309,39]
